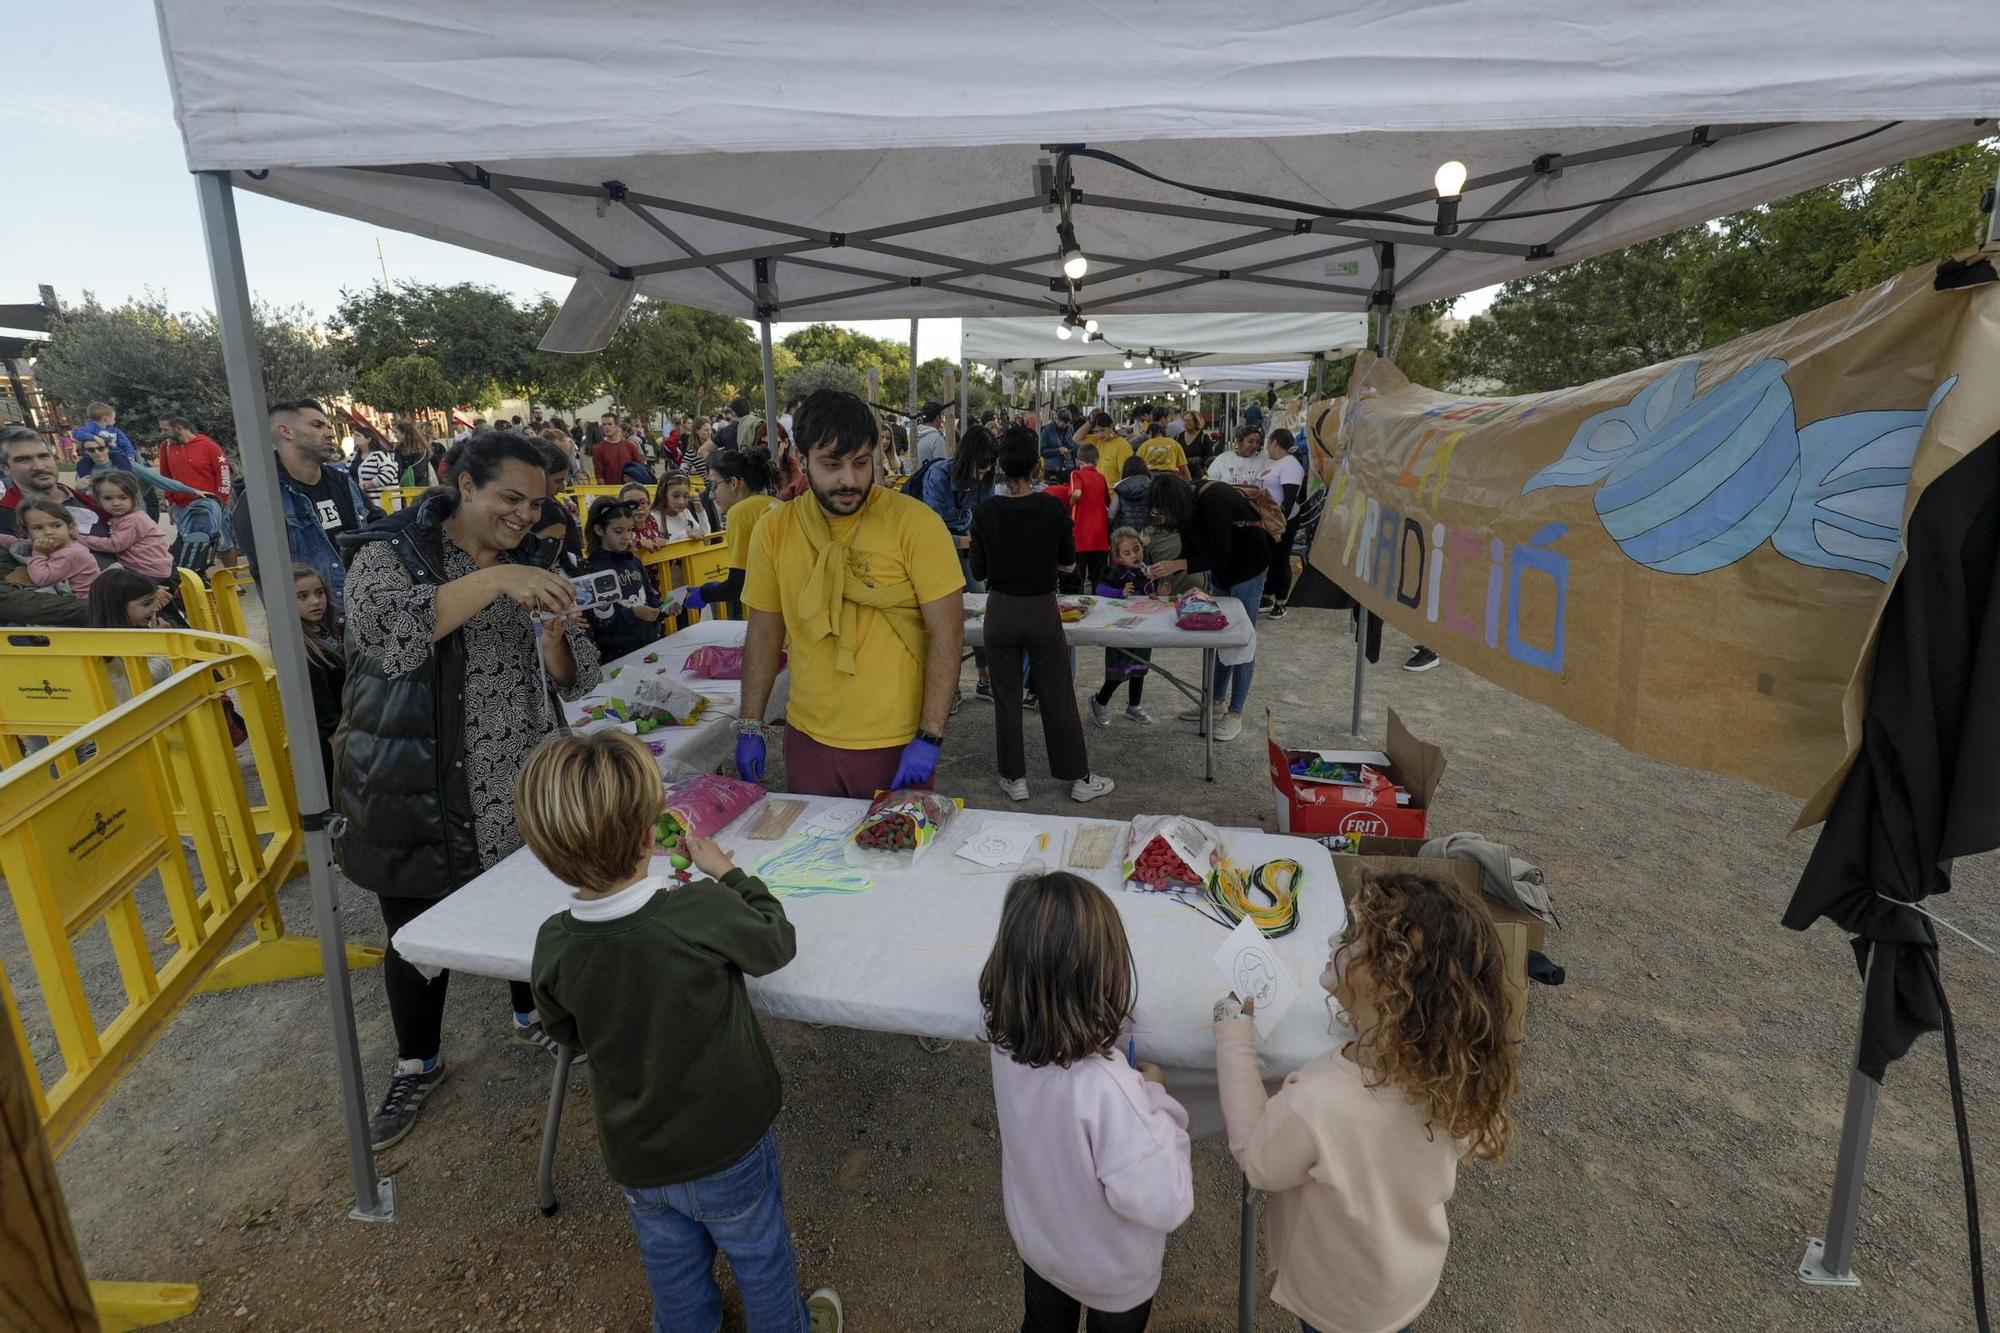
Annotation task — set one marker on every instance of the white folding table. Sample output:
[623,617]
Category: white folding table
[904,956]
[712,737]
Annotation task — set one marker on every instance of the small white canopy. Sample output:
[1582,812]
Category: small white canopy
[1186,340]
[684,148]
[1152,382]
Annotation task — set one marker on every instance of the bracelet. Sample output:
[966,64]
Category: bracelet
[749,726]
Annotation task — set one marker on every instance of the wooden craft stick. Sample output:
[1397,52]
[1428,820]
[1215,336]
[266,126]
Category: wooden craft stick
[776,820]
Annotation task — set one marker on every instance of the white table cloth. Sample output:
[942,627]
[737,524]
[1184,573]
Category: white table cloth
[712,739]
[1156,628]
[905,955]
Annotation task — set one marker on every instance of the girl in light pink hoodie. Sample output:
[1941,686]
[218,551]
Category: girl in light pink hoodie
[1093,1152]
[55,558]
[136,540]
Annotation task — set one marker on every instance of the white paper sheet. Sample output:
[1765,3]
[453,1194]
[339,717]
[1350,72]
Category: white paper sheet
[1250,967]
[999,843]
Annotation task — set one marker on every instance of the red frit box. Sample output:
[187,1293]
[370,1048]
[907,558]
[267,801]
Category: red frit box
[1315,809]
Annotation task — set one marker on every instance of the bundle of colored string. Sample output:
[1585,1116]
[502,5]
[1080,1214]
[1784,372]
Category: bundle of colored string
[1234,893]
[810,865]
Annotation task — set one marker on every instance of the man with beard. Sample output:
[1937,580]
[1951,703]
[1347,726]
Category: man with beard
[31,468]
[321,501]
[862,584]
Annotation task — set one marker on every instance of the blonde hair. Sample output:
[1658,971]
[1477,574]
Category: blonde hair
[586,806]
[100,412]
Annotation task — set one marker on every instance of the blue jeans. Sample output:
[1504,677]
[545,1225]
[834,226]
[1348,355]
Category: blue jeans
[741,1209]
[1232,683]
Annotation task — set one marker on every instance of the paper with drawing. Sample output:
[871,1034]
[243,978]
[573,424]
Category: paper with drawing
[1251,968]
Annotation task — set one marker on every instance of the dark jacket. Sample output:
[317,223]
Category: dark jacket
[400,779]
[1133,512]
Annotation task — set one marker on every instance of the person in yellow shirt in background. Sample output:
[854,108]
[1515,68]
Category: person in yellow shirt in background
[1112,448]
[862,584]
[1161,451]
[741,482]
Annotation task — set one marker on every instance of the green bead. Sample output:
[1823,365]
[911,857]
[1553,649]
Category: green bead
[680,862]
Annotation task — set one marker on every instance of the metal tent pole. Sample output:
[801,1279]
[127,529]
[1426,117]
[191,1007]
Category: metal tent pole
[1828,1261]
[767,306]
[1383,300]
[913,365]
[374,1199]
[964,394]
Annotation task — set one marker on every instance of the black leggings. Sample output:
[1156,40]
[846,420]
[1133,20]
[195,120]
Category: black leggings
[1134,686]
[416,1005]
[1279,585]
[1051,1310]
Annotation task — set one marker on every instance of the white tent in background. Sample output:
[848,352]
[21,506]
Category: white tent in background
[1186,340]
[1289,160]
[1151,381]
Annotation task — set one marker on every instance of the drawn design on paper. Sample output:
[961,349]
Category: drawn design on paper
[1254,977]
[1692,482]
[1251,968]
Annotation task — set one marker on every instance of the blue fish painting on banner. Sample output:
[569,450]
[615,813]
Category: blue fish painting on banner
[1690,557]
[1695,481]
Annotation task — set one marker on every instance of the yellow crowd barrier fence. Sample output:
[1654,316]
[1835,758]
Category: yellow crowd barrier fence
[142,805]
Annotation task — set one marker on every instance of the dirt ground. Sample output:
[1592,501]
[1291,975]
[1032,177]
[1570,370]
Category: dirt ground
[1675,1132]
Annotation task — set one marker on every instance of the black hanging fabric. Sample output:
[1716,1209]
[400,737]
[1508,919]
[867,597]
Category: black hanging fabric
[1923,789]
[1316,591]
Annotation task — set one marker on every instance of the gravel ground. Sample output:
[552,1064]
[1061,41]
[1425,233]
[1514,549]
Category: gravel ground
[1674,1140]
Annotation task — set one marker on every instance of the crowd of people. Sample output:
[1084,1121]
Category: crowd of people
[443,637]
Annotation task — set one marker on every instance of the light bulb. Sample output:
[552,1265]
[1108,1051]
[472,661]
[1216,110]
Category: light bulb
[1128,363]
[1450,180]
[1090,326]
[1075,265]
[1062,330]
[1149,358]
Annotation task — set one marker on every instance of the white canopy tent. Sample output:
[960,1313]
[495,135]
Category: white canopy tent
[1280,163]
[1186,340]
[1151,381]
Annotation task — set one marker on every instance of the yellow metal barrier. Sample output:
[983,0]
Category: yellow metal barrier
[89,821]
[226,587]
[55,681]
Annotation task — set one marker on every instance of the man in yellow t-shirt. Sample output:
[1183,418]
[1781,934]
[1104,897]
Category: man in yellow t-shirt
[1112,448]
[862,585]
[1163,454]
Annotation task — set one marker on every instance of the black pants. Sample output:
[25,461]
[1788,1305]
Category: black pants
[1050,1310]
[1031,627]
[1134,686]
[1279,585]
[1090,566]
[416,1005]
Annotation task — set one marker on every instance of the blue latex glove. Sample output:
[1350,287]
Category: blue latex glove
[919,762]
[750,758]
[694,600]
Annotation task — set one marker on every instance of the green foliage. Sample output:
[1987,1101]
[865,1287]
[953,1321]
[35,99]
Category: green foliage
[817,375]
[146,360]
[1709,284]
[483,344]
[818,343]
[559,380]
[405,386]
[667,355]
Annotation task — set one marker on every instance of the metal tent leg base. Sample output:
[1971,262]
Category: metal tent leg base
[1814,1272]
[385,1204]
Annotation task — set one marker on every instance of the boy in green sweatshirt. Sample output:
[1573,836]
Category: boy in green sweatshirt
[648,978]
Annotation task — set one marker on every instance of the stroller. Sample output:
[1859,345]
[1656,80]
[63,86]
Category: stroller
[203,528]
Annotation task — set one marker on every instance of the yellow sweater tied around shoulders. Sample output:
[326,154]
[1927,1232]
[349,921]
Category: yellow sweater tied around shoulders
[831,601]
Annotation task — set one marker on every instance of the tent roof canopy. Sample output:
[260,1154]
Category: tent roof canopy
[1151,381]
[1185,340]
[805,188]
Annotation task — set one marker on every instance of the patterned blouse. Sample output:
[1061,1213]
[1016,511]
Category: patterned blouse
[391,618]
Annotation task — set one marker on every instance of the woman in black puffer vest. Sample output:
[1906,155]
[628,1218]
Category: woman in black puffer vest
[445,698]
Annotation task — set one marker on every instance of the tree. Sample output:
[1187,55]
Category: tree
[667,355]
[1419,345]
[146,361]
[405,386]
[823,375]
[564,381]
[482,342]
[831,343]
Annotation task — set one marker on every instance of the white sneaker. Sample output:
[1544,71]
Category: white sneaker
[1229,727]
[1190,714]
[824,1312]
[1137,714]
[1015,787]
[1091,787]
[1099,713]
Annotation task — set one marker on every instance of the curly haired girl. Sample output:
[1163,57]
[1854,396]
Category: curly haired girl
[1360,1148]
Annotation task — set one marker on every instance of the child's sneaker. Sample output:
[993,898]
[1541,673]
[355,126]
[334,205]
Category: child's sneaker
[1137,714]
[1099,713]
[408,1087]
[1015,787]
[823,1309]
[1091,787]
[534,1035]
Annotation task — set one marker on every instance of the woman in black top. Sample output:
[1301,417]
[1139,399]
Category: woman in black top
[1222,536]
[1021,539]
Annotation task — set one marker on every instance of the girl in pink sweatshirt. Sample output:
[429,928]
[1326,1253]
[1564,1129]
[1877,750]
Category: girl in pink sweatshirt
[1093,1152]
[56,559]
[135,539]
[1360,1148]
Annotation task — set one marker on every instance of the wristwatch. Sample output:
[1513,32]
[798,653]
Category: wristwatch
[933,737]
[749,726]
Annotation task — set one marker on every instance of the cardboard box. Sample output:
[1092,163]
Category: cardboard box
[1519,931]
[1313,809]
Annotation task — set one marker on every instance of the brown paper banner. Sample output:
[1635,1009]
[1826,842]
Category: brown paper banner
[1689,558]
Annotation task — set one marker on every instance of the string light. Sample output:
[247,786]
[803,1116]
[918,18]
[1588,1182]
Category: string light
[1450,182]
[1074,265]
[1062,329]
[1090,326]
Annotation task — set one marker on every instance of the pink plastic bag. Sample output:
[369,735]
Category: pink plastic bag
[1197,610]
[702,806]
[716,662]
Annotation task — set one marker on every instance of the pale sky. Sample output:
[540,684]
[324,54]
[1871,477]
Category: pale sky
[114,208]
